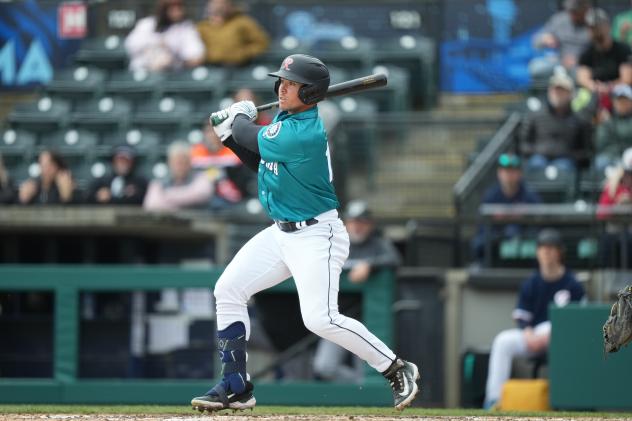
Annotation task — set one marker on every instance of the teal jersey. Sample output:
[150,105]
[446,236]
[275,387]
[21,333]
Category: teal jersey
[295,178]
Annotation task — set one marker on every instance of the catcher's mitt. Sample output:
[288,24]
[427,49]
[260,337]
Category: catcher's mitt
[617,331]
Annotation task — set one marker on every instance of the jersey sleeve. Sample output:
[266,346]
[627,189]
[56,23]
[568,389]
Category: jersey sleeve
[577,291]
[280,141]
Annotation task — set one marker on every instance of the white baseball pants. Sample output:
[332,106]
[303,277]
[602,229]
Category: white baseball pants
[507,345]
[313,256]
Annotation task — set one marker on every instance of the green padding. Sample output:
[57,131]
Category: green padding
[581,376]
[181,392]
[67,281]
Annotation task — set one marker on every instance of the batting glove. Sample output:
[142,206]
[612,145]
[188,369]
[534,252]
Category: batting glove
[222,122]
[244,107]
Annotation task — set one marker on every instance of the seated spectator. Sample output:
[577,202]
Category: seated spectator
[614,135]
[509,189]
[369,251]
[604,63]
[551,283]
[54,185]
[183,187]
[231,37]
[617,191]
[7,189]
[554,134]
[567,34]
[121,186]
[165,41]
[622,27]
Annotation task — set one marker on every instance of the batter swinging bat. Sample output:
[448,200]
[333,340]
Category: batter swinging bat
[344,88]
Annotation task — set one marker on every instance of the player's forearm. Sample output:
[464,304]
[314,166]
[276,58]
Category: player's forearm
[248,157]
[246,133]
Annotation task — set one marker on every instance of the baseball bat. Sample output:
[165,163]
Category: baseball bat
[343,88]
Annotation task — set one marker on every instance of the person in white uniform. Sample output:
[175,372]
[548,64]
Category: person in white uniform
[307,241]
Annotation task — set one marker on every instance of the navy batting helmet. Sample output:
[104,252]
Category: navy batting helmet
[309,71]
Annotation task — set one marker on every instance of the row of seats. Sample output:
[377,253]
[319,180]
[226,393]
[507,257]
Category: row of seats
[416,55]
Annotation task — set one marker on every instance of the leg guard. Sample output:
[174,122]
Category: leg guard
[231,344]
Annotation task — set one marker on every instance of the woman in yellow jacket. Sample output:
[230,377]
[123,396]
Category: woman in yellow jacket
[231,37]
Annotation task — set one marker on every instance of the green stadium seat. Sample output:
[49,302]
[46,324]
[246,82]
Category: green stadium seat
[71,141]
[196,85]
[153,169]
[146,142]
[77,83]
[254,77]
[350,53]
[590,184]
[418,56]
[395,95]
[553,185]
[279,49]
[135,86]
[166,112]
[102,113]
[103,52]
[17,143]
[42,115]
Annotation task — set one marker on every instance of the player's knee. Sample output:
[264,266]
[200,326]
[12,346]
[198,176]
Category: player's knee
[317,325]
[226,292]
[504,340]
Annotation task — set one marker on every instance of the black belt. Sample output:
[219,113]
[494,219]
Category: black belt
[295,226]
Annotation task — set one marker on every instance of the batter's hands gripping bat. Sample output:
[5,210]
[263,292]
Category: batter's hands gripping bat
[343,88]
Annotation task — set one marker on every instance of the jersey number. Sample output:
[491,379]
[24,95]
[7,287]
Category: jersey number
[331,173]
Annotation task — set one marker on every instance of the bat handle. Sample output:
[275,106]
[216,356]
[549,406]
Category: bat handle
[265,107]
[216,120]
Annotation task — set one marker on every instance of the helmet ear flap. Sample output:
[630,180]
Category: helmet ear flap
[277,84]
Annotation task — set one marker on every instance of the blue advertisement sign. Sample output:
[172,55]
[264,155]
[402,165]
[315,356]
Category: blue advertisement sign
[30,47]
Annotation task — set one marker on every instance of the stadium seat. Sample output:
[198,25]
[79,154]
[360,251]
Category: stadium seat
[279,49]
[395,95]
[102,113]
[146,142]
[166,112]
[196,85]
[135,86]
[416,55]
[350,53]
[590,184]
[17,143]
[153,169]
[71,141]
[85,171]
[553,185]
[104,52]
[77,83]
[42,115]
[256,78]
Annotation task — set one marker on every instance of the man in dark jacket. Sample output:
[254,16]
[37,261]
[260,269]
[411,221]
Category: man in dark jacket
[121,186]
[510,189]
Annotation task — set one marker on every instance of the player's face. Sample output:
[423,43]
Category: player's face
[548,255]
[288,97]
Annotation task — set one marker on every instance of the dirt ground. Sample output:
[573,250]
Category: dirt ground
[245,417]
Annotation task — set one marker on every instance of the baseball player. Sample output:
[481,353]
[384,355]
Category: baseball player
[307,241]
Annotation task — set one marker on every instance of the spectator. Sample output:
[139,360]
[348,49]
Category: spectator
[510,189]
[369,250]
[54,185]
[121,186]
[551,283]
[7,189]
[565,32]
[615,134]
[165,41]
[183,187]
[617,191]
[231,37]
[554,134]
[622,26]
[604,63]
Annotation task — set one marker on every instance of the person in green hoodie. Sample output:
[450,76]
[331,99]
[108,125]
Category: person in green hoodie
[230,36]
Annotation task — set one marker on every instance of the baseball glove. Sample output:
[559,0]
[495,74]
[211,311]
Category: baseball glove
[617,331]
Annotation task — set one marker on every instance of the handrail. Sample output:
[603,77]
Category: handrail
[472,176]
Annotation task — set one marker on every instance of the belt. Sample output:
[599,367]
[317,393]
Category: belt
[295,226]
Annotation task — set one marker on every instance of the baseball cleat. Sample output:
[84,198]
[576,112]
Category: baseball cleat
[217,402]
[402,376]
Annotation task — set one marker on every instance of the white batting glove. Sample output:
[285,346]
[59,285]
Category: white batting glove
[222,122]
[244,107]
